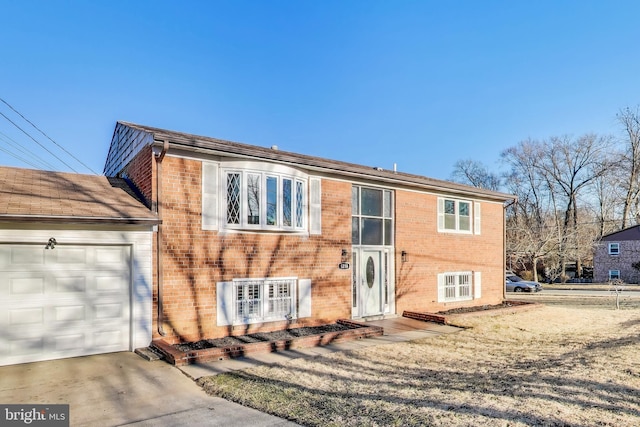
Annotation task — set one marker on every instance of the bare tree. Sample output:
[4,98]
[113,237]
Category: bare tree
[570,165]
[473,172]
[630,121]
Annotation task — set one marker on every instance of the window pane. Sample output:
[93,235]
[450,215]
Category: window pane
[253,199]
[387,204]
[464,209]
[449,207]
[272,200]
[371,202]
[388,232]
[355,231]
[355,206]
[449,221]
[299,205]
[287,199]
[371,231]
[233,198]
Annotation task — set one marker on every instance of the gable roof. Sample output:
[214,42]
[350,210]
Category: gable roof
[28,195]
[630,233]
[129,139]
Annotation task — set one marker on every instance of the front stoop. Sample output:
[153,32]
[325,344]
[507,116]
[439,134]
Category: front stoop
[181,358]
[449,319]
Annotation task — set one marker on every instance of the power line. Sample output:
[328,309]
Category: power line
[47,136]
[24,150]
[36,141]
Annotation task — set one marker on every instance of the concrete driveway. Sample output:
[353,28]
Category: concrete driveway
[123,389]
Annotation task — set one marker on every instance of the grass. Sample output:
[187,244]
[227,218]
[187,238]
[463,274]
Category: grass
[572,362]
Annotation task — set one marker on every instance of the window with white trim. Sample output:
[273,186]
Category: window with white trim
[265,200]
[459,216]
[614,274]
[258,300]
[458,286]
[614,248]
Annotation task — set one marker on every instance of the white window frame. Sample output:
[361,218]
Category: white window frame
[473,218]
[458,286]
[299,206]
[614,274]
[613,251]
[262,306]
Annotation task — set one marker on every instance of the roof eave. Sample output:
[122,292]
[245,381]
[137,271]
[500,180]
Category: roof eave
[54,219]
[382,176]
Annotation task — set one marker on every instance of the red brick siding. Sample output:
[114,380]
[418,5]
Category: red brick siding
[195,259]
[430,252]
[140,171]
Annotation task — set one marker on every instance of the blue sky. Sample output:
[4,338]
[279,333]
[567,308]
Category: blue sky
[418,83]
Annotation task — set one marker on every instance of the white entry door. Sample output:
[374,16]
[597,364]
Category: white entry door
[371,283]
[63,302]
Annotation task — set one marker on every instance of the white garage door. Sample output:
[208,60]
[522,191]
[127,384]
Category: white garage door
[63,302]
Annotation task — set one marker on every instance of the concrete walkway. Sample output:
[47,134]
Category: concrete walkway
[398,329]
[123,389]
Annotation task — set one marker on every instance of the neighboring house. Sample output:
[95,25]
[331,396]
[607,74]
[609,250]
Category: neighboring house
[256,239]
[615,255]
[75,266]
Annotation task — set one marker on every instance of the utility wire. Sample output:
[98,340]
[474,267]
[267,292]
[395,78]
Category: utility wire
[19,158]
[47,136]
[36,141]
[24,150]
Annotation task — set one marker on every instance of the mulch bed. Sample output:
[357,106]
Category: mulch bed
[505,304]
[287,334]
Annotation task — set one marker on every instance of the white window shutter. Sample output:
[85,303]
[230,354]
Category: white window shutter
[440,214]
[477,285]
[476,218]
[315,206]
[304,298]
[225,303]
[441,297]
[209,196]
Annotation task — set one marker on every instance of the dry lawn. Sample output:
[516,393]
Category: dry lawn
[559,365]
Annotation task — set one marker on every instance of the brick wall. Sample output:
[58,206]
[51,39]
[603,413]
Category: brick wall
[603,262]
[430,252]
[195,259]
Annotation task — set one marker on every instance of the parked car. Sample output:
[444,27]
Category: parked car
[517,284]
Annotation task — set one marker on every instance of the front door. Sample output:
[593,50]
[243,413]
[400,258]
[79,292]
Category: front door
[368,283]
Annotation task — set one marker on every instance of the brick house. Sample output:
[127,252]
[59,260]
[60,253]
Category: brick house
[257,239]
[614,255]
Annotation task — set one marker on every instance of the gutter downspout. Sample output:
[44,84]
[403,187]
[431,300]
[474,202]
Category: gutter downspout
[159,266]
[504,246]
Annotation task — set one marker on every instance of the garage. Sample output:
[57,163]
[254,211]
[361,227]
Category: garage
[63,302]
[75,266]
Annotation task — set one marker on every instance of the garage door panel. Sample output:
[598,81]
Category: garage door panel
[58,307]
[26,316]
[67,255]
[111,255]
[26,285]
